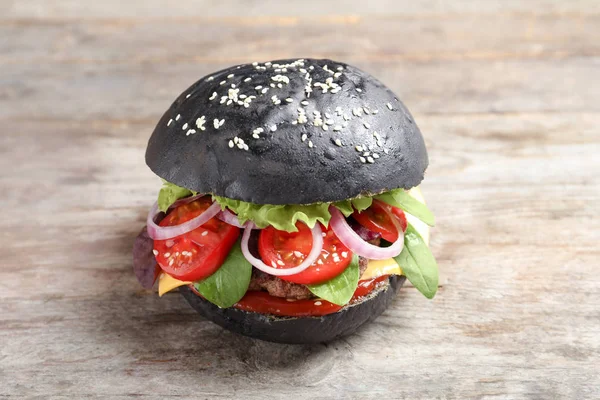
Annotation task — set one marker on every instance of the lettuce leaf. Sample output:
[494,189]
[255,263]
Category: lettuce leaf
[418,264]
[402,199]
[285,217]
[170,193]
[340,289]
[230,282]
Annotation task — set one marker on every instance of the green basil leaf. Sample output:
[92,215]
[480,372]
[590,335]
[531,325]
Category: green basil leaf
[169,194]
[401,199]
[230,282]
[340,289]
[418,264]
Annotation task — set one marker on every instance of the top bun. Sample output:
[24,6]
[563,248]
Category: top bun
[288,132]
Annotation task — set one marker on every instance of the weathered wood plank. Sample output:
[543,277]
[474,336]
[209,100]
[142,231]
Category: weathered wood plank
[125,92]
[306,8]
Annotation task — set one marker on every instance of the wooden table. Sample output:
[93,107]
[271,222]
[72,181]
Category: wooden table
[508,97]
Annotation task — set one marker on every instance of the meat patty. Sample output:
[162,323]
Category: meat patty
[279,288]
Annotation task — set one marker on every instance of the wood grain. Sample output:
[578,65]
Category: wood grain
[505,94]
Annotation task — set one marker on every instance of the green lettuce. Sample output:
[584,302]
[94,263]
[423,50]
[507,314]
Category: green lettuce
[340,289]
[418,264]
[230,282]
[285,217]
[170,193]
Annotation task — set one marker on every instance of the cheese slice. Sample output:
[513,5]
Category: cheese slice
[166,283]
[375,268]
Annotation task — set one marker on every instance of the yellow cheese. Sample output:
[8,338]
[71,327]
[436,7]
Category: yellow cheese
[377,268]
[166,283]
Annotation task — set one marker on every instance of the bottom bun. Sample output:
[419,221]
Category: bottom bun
[299,330]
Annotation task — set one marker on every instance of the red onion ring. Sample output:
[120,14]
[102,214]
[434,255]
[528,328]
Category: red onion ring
[315,252]
[157,232]
[358,246]
[230,218]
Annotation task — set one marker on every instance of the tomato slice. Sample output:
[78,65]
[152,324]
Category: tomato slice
[375,219]
[281,249]
[200,252]
[264,303]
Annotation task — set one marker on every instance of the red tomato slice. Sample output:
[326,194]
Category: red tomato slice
[264,303]
[375,219]
[198,253]
[281,249]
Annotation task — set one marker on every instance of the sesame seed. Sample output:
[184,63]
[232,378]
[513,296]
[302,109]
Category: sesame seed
[370,159]
[210,78]
[254,63]
[236,140]
[338,142]
[213,96]
[190,132]
[329,122]
[358,148]
[155,252]
[304,102]
[310,144]
[366,110]
[258,87]
[230,76]
[366,124]
[386,151]
[311,67]
[222,82]
[184,127]
[359,90]
[375,155]
[362,160]
[247,79]
[375,111]
[233,85]
[366,153]
[265,90]
[188,96]
[273,128]
[356,112]
[289,100]
[325,127]
[337,128]
[340,68]
[177,117]
[170,122]
[255,136]
[229,102]
[231,144]
[389,106]
[327,115]
[304,136]
[337,74]
[204,233]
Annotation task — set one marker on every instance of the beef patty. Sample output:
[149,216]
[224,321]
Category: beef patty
[279,288]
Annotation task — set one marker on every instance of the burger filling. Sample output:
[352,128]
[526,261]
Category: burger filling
[285,259]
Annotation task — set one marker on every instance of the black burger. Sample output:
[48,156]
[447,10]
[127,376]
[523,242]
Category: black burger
[290,209]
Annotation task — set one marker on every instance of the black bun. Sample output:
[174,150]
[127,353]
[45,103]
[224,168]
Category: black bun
[294,160]
[299,330]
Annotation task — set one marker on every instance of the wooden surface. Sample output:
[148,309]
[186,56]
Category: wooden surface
[508,97]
